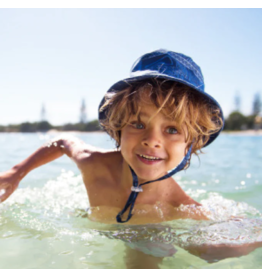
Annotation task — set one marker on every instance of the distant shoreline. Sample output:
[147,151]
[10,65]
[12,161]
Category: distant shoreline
[237,132]
[243,132]
[54,131]
[227,132]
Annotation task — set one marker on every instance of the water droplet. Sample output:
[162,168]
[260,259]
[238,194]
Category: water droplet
[248,175]
[90,253]
[242,182]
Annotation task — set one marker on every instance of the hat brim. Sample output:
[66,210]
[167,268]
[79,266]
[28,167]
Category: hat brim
[123,84]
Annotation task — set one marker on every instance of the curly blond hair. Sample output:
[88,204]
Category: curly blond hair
[187,107]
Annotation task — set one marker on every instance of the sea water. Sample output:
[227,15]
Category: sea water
[44,224]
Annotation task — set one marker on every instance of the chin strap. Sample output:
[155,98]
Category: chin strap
[137,188]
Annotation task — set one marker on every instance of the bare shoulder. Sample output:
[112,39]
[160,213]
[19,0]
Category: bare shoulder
[183,205]
[81,153]
[176,196]
[98,157]
[99,164]
[98,170]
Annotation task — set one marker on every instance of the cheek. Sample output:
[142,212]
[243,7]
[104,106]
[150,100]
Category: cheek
[128,139]
[178,151]
[126,142]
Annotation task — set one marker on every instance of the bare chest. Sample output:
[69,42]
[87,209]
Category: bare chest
[107,199]
[108,194]
[114,194]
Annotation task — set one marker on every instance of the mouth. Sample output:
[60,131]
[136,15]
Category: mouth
[147,159]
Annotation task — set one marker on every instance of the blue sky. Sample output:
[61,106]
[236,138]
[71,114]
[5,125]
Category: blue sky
[60,56]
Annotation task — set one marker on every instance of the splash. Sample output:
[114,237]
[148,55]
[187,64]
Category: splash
[49,208]
[59,209]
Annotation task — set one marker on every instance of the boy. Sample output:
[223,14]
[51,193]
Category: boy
[158,118]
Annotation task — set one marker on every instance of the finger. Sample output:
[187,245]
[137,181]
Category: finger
[4,186]
[3,195]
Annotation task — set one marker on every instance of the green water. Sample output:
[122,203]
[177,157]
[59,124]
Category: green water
[44,224]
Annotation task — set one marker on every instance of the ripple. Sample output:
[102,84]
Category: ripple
[52,211]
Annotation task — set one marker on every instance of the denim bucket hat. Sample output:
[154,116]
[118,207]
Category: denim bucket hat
[166,65]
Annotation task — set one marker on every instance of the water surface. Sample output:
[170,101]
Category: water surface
[44,223]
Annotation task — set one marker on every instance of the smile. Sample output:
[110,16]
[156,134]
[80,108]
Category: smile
[149,157]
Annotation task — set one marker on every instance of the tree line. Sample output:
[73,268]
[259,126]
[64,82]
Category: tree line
[235,121]
[238,121]
[44,126]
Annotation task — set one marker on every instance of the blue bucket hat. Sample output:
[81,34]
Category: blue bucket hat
[164,65]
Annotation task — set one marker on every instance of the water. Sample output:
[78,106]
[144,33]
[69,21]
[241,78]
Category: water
[44,223]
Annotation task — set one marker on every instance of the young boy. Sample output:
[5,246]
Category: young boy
[158,117]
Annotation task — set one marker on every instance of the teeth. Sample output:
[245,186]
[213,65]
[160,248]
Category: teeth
[149,157]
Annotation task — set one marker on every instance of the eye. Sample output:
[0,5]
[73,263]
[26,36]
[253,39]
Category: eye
[137,125]
[171,130]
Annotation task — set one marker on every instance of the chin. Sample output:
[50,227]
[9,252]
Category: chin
[147,176]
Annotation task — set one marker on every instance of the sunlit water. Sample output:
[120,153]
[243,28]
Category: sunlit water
[44,223]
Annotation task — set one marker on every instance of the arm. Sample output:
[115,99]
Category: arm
[217,252]
[74,148]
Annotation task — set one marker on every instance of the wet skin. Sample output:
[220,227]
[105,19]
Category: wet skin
[108,179]
[107,176]
[151,145]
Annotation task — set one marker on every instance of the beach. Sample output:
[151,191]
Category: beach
[250,132]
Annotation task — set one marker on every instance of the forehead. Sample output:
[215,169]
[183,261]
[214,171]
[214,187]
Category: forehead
[150,105]
[148,111]
[165,101]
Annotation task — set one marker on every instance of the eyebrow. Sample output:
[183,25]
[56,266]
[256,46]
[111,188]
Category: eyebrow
[145,114]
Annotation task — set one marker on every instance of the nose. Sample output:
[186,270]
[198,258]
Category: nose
[152,139]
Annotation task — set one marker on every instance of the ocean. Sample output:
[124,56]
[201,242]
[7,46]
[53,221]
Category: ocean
[44,224]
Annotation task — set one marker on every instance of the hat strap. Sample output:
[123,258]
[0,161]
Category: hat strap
[137,188]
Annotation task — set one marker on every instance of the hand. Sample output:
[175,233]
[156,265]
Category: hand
[8,184]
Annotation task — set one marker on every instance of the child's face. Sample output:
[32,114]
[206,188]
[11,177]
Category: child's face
[152,147]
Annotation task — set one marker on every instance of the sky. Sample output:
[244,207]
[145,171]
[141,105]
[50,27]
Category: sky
[58,57]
